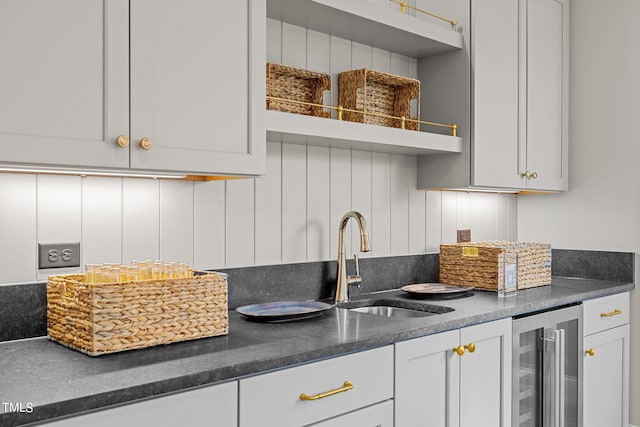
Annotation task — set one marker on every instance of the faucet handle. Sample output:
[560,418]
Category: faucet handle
[355,280]
[357,264]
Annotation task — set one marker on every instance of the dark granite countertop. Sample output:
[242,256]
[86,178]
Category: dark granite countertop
[58,381]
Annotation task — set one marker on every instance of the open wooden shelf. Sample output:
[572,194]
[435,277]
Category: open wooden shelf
[370,24]
[301,129]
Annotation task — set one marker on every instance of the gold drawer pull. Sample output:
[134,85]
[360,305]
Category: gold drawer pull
[471,347]
[591,352]
[345,387]
[613,313]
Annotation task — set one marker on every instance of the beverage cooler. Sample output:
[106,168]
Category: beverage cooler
[547,369]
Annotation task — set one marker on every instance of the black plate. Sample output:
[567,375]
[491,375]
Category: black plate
[283,311]
[437,290]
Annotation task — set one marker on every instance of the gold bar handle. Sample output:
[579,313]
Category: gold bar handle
[345,387]
[612,313]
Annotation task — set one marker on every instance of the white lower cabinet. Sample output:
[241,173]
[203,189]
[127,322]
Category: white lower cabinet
[459,378]
[208,406]
[606,362]
[328,391]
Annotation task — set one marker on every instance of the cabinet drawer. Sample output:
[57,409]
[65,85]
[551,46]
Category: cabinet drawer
[380,415]
[275,398]
[606,313]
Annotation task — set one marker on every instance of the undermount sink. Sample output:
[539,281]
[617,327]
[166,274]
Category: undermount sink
[394,308]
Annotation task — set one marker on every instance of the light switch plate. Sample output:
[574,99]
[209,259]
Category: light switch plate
[58,255]
[464,236]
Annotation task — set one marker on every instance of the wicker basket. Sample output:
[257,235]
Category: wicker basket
[296,84]
[481,264]
[380,93]
[101,318]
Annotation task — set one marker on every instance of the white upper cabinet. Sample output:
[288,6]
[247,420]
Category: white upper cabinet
[516,136]
[64,82]
[195,67]
[184,75]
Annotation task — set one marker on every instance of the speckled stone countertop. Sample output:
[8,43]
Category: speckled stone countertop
[58,381]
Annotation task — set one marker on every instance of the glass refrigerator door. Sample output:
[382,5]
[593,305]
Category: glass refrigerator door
[529,378]
[547,369]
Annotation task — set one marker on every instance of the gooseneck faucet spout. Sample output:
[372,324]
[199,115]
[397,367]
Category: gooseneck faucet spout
[343,282]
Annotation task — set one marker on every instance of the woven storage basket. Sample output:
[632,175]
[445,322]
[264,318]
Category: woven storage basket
[382,93]
[296,84]
[101,318]
[482,264]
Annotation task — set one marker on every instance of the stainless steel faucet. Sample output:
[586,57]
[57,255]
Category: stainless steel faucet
[343,282]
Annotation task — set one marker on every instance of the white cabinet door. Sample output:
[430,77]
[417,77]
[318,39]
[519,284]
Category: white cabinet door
[606,378]
[380,415]
[494,83]
[64,82]
[485,374]
[427,381]
[546,85]
[520,93]
[197,85]
[205,407]
[439,387]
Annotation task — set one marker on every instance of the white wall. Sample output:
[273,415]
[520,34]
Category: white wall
[290,215]
[602,208]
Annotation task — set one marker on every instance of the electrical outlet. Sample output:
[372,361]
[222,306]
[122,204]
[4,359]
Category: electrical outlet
[464,236]
[58,255]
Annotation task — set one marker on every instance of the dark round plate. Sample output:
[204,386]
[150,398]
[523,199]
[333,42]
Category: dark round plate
[436,290]
[282,311]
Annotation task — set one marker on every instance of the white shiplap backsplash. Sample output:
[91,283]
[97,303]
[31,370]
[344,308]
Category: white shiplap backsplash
[289,215]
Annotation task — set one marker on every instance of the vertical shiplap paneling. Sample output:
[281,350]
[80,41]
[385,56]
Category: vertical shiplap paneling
[340,201]
[462,212]
[209,224]
[59,214]
[294,203]
[399,65]
[101,220]
[294,45]
[18,253]
[449,218]
[318,209]
[240,222]
[274,41]
[483,216]
[268,239]
[381,204]
[512,209]
[340,61]
[417,211]
[413,73]
[140,219]
[381,60]
[502,219]
[360,56]
[319,57]
[434,220]
[399,174]
[176,221]
[361,192]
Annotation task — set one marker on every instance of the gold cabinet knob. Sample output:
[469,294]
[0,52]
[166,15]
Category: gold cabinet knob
[122,141]
[146,144]
[591,352]
[459,350]
[533,175]
[471,347]
[525,174]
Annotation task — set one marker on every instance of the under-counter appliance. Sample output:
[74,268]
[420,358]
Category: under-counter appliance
[547,368]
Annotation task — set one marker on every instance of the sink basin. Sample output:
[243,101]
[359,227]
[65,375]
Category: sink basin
[394,308]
